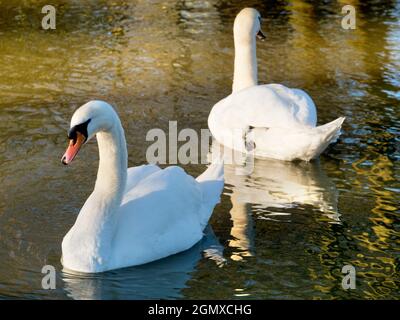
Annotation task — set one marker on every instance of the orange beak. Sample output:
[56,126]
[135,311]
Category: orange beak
[73,148]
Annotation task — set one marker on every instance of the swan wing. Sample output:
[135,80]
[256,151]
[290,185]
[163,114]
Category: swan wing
[137,174]
[264,106]
[162,215]
[273,121]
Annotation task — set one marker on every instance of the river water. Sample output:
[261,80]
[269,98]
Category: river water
[282,232]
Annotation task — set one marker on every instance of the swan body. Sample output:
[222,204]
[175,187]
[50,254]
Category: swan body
[271,120]
[136,215]
[161,279]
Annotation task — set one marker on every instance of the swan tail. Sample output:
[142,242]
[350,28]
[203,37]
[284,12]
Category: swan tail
[325,135]
[331,130]
[215,171]
[211,184]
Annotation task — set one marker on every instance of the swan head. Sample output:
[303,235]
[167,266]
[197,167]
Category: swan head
[247,25]
[87,120]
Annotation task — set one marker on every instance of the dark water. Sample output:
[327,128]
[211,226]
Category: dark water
[286,230]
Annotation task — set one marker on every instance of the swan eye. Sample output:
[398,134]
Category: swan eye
[81,128]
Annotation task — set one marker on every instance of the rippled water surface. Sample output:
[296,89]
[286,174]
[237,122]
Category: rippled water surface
[284,231]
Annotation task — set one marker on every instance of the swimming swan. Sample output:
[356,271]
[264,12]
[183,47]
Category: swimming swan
[271,120]
[137,215]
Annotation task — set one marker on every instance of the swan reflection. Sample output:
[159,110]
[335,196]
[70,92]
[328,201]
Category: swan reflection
[269,187]
[162,279]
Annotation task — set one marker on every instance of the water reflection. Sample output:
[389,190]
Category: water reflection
[163,279]
[198,17]
[268,189]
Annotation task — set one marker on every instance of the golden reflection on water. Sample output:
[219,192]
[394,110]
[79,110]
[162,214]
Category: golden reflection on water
[382,226]
[287,229]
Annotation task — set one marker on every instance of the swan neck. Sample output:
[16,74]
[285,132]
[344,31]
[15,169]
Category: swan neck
[99,214]
[245,68]
[111,175]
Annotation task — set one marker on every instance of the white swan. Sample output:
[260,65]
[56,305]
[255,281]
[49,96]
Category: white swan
[270,120]
[137,215]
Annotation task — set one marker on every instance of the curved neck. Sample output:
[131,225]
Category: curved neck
[245,69]
[99,214]
[113,163]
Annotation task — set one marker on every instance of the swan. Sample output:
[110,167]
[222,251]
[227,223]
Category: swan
[135,215]
[269,121]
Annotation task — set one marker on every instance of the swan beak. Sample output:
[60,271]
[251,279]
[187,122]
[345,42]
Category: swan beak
[73,148]
[261,35]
